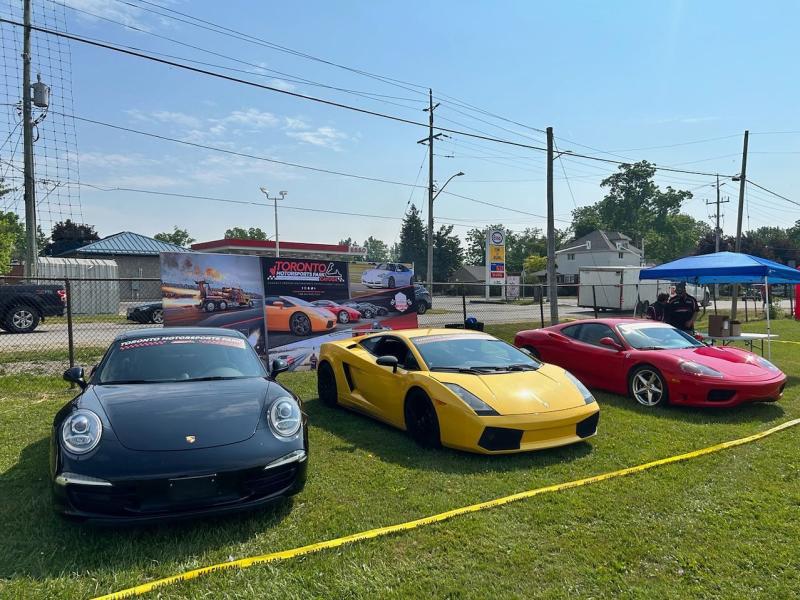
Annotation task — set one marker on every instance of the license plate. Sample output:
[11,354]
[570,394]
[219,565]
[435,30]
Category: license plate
[190,489]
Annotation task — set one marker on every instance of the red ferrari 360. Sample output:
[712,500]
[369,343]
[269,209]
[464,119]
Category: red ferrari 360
[655,363]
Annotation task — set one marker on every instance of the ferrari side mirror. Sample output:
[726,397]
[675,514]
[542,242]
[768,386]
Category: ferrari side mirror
[388,361]
[75,375]
[607,341]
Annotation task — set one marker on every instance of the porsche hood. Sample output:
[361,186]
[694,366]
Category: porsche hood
[183,415]
[545,390]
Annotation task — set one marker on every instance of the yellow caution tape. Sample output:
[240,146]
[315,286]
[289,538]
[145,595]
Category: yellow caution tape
[381,531]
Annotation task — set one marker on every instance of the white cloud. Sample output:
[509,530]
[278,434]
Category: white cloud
[109,9]
[282,85]
[165,116]
[252,117]
[324,137]
[112,160]
[295,123]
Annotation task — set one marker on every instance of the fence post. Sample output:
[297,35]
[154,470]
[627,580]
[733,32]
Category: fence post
[594,301]
[464,303]
[541,304]
[70,339]
[714,296]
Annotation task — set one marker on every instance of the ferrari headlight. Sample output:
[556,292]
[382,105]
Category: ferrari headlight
[763,362]
[587,395]
[479,406]
[285,417]
[81,431]
[693,368]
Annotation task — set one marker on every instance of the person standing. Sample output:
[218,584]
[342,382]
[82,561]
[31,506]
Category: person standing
[682,309]
[657,311]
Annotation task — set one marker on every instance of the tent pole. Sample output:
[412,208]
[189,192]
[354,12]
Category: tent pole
[769,330]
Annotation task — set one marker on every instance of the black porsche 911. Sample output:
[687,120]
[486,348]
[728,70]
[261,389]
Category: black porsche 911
[178,422]
[152,312]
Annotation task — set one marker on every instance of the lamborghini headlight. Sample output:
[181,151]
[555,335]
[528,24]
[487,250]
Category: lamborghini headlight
[285,417]
[81,431]
[693,368]
[479,406]
[587,395]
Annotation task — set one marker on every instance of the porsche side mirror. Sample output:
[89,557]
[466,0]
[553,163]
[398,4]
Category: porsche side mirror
[279,366]
[607,341]
[388,361]
[75,375]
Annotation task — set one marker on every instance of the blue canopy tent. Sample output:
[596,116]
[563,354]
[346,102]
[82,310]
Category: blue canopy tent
[725,267]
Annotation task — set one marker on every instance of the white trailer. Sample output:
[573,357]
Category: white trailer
[619,289]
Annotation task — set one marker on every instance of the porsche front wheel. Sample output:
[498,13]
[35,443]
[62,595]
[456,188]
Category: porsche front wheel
[422,423]
[647,386]
[326,385]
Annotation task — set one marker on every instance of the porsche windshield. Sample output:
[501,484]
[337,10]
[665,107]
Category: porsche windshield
[170,358]
[468,353]
[656,337]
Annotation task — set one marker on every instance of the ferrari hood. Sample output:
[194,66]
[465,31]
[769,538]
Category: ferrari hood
[164,416]
[520,392]
[731,362]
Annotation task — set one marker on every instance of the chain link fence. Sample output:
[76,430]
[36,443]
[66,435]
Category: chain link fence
[51,324]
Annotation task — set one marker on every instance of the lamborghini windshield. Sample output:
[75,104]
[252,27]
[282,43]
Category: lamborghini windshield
[472,353]
[644,336]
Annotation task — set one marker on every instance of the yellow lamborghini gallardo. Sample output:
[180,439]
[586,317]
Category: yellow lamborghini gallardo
[458,388]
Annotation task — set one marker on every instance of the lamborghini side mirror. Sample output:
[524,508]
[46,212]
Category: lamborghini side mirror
[388,361]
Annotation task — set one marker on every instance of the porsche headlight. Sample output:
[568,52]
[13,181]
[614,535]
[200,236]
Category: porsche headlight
[81,431]
[693,368]
[285,417]
[763,362]
[479,406]
[587,395]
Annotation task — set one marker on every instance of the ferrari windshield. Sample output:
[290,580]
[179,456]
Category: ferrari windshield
[471,352]
[169,358]
[644,336]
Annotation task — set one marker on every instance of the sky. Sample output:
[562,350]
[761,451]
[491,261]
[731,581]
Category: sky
[675,83]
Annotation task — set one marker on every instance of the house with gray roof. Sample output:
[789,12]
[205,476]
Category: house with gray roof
[137,258]
[597,249]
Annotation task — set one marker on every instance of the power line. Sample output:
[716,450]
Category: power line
[776,194]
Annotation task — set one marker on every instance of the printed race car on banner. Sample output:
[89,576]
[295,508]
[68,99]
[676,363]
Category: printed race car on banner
[173,423]
[461,389]
[655,363]
[286,313]
[387,275]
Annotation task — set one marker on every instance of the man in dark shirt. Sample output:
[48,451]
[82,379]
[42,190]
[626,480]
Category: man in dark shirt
[682,309]
[658,310]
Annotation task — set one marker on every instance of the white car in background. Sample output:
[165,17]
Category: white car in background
[387,275]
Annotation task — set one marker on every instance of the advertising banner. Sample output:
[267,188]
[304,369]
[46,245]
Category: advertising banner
[365,277]
[512,287]
[307,303]
[214,290]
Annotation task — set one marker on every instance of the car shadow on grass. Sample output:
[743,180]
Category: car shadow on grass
[361,433]
[38,543]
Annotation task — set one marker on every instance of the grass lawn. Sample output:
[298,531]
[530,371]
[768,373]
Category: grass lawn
[722,526]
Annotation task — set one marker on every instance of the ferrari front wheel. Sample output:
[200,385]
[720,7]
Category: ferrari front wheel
[422,423]
[326,385]
[647,386]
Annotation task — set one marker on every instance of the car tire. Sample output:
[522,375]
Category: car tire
[391,283]
[368,313]
[648,387]
[343,317]
[209,307]
[300,324]
[327,391]
[422,423]
[422,307]
[22,319]
[252,303]
[158,316]
[223,305]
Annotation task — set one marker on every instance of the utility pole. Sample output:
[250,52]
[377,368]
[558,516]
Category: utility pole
[738,247]
[31,252]
[717,230]
[429,141]
[552,289]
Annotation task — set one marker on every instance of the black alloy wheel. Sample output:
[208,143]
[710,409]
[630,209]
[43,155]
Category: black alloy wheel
[326,385]
[422,423]
[300,324]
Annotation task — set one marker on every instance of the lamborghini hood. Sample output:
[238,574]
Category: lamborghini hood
[545,390]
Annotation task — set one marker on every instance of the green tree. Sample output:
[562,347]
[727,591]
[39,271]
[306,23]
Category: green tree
[413,244]
[475,253]
[377,250]
[14,224]
[535,263]
[448,254]
[179,237]
[346,242]
[68,235]
[678,236]
[522,244]
[240,233]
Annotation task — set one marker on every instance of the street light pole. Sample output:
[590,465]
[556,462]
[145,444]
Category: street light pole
[275,202]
